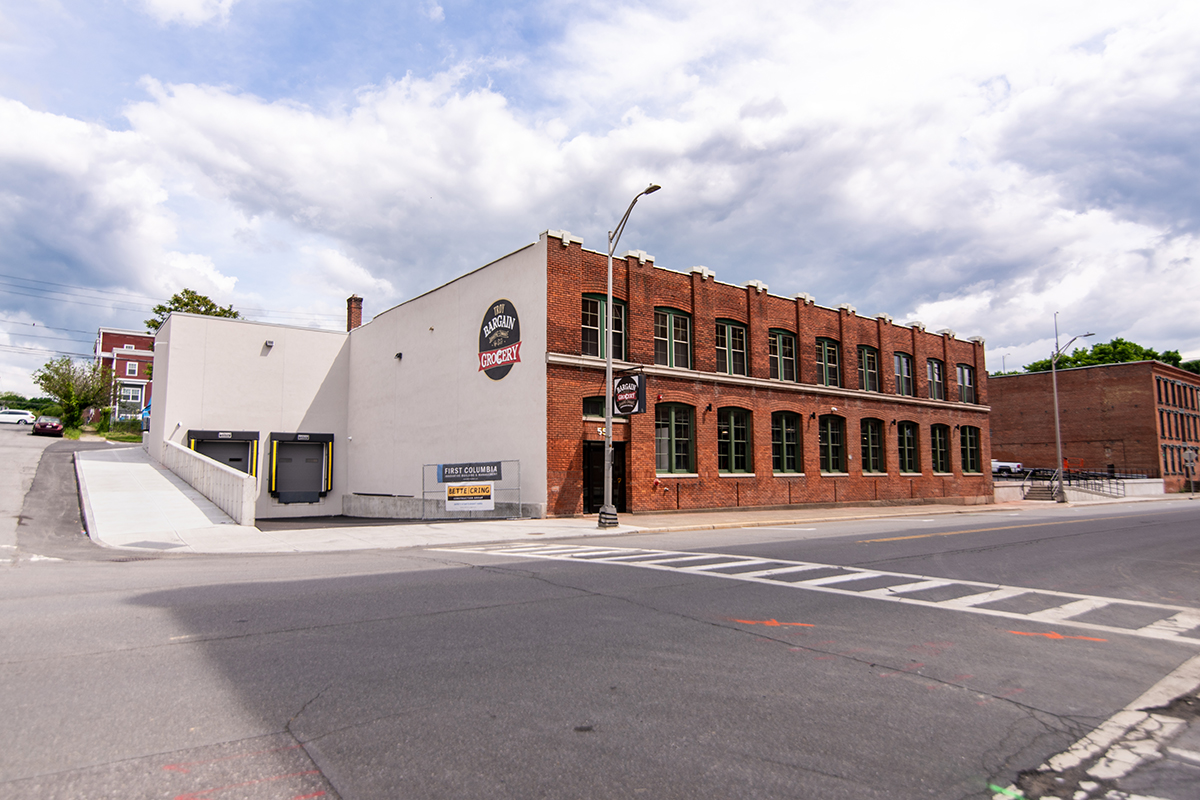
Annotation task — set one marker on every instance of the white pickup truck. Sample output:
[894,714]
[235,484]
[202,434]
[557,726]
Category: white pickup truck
[1007,467]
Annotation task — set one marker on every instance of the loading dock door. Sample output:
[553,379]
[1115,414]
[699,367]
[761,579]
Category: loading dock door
[232,454]
[301,466]
[236,449]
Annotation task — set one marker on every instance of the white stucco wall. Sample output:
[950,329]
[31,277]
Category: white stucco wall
[434,405]
[212,373]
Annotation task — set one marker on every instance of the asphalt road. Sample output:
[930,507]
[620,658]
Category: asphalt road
[565,673]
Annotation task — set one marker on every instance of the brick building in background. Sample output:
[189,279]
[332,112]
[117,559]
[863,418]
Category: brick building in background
[129,354]
[751,399]
[1138,417]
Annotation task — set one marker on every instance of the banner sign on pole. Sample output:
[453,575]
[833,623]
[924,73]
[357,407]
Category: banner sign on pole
[629,395]
[474,471]
[470,497]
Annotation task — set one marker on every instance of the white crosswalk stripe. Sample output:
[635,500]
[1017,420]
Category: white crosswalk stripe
[1176,623]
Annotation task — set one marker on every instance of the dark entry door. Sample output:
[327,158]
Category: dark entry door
[593,477]
[300,472]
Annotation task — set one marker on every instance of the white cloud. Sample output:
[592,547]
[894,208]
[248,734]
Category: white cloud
[188,12]
[972,166]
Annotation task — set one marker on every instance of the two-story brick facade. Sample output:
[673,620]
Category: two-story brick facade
[130,356]
[752,399]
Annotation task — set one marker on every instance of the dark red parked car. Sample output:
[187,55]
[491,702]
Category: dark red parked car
[48,426]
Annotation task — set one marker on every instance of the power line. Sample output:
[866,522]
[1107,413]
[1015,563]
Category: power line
[45,327]
[142,300]
[15,349]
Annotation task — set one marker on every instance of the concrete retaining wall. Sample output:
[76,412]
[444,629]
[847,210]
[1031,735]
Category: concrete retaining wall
[1008,492]
[233,491]
[375,506]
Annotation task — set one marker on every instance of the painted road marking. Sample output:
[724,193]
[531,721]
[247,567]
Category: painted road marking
[1177,623]
[973,530]
[1056,635]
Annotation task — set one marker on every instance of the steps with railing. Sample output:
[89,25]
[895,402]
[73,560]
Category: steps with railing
[1042,484]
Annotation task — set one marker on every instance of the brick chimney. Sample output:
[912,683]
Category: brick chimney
[353,312]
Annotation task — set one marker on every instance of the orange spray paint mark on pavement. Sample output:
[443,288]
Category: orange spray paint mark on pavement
[773,623]
[1053,635]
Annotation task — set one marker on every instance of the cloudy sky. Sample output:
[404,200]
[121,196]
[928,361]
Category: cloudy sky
[976,166]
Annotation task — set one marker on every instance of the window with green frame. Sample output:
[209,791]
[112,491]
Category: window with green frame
[966,384]
[872,445]
[828,369]
[969,444]
[905,383]
[731,347]
[939,447]
[785,442]
[672,338]
[937,379]
[868,368]
[831,437]
[782,355]
[593,406]
[595,320]
[907,452]
[673,444]
[733,440]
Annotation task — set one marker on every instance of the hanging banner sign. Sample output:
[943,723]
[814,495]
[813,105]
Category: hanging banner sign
[499,340]
[629,395]
[474,471]
[470,497]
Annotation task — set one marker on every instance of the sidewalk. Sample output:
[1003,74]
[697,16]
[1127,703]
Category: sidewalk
[131,502]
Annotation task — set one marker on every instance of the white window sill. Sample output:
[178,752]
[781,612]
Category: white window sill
[677,474]
[736,475]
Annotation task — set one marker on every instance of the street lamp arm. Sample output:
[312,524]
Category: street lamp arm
[615,236]
[1060,350]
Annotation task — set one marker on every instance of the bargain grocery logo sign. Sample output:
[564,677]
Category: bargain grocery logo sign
[499,340]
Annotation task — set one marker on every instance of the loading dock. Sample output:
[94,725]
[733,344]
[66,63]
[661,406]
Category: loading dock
[301,466]
[236,449]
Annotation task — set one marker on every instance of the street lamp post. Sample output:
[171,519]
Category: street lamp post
[608,511]
[1060,495]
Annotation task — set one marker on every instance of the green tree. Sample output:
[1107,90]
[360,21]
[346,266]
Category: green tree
[1118,351]
[191,303]
[1191,366]
[75,385]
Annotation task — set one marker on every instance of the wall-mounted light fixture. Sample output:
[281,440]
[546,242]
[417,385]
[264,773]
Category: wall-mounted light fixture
[813,415]
[399,356]
[708,407]
[269,343]
[893,422]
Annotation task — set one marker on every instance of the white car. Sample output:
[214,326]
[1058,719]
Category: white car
[11,416]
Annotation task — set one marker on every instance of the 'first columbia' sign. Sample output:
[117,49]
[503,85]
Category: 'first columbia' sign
[466,473]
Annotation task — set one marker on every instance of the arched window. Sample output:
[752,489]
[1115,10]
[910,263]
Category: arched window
[872,446]
[969,439]
[939,450]
[785,442]
[831,438]
[828,369]
[673,445]
[733,440]
[906,446]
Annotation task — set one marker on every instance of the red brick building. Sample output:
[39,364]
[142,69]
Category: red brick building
[752,399]
[130,355]
[1139,417]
